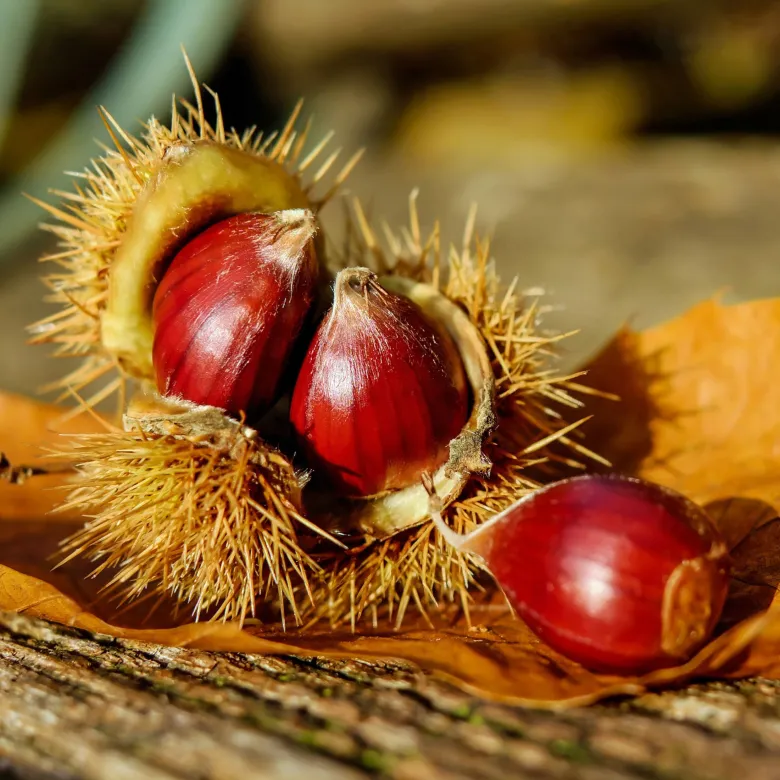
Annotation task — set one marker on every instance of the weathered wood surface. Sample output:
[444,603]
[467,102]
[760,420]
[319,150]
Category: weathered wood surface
[79,706]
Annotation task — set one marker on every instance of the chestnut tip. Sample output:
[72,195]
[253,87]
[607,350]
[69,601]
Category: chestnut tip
[300,224]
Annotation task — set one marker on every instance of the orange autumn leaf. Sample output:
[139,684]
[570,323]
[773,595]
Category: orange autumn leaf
[497,658]
[699,414]
[700,407]
[26,429]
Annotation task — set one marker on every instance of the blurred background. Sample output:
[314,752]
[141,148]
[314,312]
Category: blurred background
[623,152]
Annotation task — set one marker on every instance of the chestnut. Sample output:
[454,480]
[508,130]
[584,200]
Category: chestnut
[619,574]
[229,308]
[381,393]
[396,383]
[193,185]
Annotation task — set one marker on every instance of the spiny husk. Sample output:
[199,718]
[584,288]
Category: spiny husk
[416,567]
[217,528]
[213,526]
[93,219]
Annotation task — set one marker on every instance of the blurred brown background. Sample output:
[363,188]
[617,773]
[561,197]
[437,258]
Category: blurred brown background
[623,152]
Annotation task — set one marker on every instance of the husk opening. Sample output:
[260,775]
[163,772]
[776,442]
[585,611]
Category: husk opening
[415,567]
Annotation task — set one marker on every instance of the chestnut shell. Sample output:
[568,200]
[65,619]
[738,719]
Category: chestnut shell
[194,185]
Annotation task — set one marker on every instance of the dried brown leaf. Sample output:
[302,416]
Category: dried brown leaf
[498,657]
[700,413]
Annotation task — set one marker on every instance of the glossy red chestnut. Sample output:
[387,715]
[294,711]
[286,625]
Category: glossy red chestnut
[229,308]
[619,574]
[381,392]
